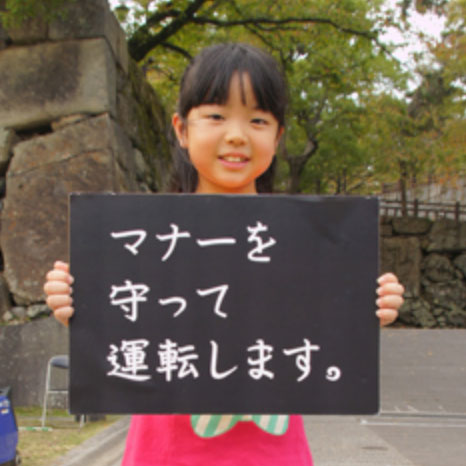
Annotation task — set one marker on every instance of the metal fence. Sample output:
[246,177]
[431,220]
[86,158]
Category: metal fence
[431,210]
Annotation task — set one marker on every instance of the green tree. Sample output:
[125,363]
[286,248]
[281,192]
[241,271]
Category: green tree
[333,59]
[421,138]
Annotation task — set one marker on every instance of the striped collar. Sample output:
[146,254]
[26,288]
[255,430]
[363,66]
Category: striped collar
[210,425]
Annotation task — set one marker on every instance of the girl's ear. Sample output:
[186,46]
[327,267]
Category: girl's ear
[180,130]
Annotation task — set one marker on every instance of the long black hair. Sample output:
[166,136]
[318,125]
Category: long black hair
[207,79]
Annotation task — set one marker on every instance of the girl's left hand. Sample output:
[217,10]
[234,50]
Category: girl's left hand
[390,299]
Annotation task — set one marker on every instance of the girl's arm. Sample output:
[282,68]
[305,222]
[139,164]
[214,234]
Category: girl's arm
[390,293]
[58,290]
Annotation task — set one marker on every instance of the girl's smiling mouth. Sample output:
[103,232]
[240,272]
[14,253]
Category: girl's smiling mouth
[234,160]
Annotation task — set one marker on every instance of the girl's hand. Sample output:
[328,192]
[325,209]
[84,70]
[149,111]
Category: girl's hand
[390,293]
[58,290]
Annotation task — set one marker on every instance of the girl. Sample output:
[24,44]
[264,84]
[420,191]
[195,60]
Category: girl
[230,118]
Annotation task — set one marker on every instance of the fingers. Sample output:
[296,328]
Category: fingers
[63,314]
[59,275]
[390,299]
[61,266]
[387,316]
[56,301]
[54,287]
[387,278]
[390,288]
[58,290]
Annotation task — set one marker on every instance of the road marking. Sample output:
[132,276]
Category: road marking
[417,419]
[407,423]
[422,414]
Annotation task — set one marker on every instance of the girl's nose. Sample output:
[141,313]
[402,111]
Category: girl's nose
[235,134]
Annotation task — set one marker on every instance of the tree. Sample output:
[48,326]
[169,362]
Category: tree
[334,61]
[422,137]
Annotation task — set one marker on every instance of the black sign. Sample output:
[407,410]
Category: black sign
[224,304]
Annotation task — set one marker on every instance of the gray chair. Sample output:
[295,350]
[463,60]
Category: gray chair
[55,362]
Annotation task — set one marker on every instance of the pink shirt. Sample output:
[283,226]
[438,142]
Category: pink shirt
[169,440]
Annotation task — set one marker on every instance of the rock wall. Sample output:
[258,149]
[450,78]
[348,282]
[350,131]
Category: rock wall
[76,115]
[430,260]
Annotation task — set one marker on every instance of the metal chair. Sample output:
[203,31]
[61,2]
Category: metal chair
[58,362]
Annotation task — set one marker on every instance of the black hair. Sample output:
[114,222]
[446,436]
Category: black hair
[207,80]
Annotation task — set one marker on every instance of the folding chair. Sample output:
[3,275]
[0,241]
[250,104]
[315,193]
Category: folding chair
[57,362]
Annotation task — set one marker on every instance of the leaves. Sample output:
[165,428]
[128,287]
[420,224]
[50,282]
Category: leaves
[351,125]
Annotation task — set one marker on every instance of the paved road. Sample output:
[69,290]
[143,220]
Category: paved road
[422,420]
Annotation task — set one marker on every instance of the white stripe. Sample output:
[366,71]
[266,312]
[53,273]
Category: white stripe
[264,422]
[246,417]
[223,424]
[202,424]
[280,423]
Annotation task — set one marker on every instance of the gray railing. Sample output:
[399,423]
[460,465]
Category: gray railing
[431,210]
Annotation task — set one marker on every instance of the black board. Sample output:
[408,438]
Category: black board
[224,304]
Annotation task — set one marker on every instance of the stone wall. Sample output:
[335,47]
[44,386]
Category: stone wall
[430,260]
[76,115]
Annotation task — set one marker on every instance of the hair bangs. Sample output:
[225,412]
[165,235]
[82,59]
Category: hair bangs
[208,79]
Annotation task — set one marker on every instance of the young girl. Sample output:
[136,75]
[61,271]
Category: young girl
[229,122]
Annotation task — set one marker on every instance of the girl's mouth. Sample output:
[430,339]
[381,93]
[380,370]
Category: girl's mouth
[234,160]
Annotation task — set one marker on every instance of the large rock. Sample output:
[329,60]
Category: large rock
[438,268]
[447,236]
[3,34]
[7,139]
[30,31]
[411,225]
[93,155]
[448,295]
[143,117]
[460,263]
[402,256]
[417,312]
[43,82]
[5,301]
[90,19]
[24,352]
[456,316]
[79,19]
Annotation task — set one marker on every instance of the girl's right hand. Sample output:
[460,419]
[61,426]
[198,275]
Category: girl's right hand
[58,290]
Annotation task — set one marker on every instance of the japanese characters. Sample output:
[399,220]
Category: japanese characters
[176,360]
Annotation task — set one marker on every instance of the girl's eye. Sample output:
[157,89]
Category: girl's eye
[259,121]
[215,116]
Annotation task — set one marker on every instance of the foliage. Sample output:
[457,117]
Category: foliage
[331,54]
[352,125]
[422,137]
[422,6]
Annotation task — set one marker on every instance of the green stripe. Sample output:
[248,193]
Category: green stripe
[212,425]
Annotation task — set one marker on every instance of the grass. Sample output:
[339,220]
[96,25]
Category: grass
[40,448]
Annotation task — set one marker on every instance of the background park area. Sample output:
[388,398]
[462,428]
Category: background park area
[377,107]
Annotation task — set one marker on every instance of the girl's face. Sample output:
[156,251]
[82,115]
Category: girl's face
[232,144]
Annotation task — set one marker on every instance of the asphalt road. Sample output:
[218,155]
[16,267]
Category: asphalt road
[422,420]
